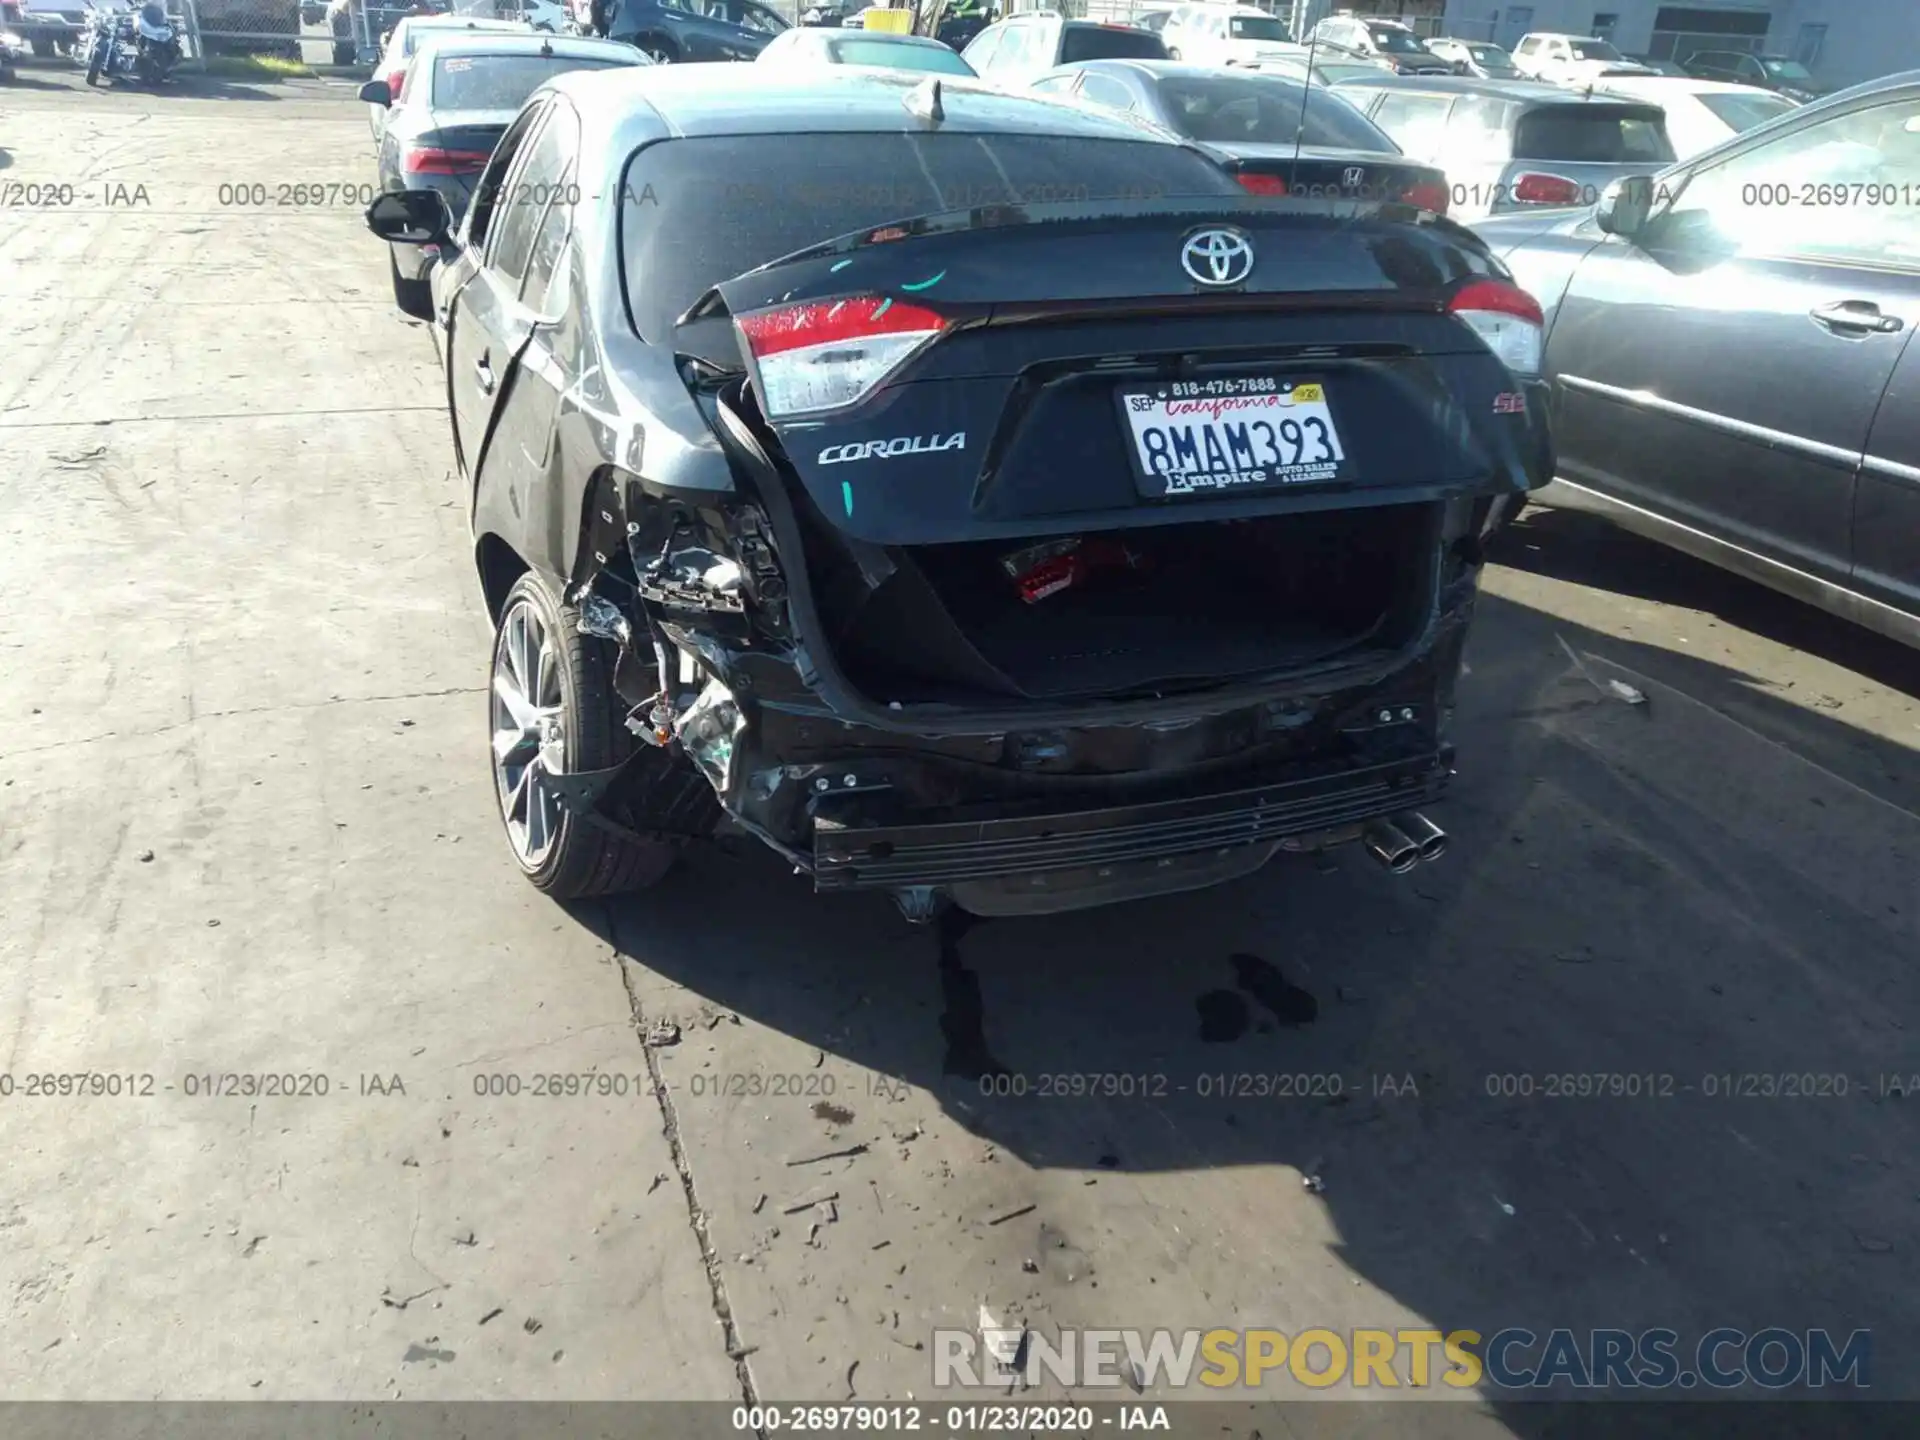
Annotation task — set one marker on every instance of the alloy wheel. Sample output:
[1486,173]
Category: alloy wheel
[529,731]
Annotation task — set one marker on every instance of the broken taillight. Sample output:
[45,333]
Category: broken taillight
[1507,318]
[827,354]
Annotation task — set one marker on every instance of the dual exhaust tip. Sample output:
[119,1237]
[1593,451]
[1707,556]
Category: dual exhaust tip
[1404,840]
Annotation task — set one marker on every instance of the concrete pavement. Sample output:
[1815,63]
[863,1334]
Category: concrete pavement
[246,831]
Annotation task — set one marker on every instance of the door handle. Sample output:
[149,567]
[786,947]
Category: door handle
[483,372]
[1856,316]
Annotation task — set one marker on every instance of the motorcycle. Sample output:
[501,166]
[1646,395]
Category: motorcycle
[123,45]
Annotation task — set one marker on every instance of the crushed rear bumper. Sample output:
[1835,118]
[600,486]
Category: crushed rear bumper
[1094,845]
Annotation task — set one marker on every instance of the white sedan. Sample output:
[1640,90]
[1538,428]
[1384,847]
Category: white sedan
[1701,113]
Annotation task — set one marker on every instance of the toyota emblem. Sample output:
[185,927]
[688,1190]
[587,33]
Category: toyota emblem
[1353,177]
[1217,257]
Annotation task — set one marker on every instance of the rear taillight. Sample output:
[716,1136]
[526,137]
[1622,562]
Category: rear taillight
[1429,195]
[828,354]
[396,82]
[1534,189]
[431,160]
[1261,184]
[1507,318]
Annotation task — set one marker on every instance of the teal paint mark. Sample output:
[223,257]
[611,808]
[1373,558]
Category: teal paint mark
[885,305]
[927,284]
[838,266]
[846,494]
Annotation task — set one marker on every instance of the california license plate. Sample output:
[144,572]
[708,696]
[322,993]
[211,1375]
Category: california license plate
[1221,437]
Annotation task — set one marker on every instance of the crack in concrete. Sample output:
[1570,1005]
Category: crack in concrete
[696,1213]
[196,719]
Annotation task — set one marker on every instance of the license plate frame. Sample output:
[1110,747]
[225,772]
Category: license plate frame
[1222,407]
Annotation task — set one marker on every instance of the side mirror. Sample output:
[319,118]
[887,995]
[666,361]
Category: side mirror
[1625,206]
[376,92]
[411,217]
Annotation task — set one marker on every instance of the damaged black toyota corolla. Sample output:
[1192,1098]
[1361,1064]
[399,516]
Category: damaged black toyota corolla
[972,496]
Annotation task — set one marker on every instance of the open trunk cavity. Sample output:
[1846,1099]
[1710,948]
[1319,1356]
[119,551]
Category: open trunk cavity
[1123,614]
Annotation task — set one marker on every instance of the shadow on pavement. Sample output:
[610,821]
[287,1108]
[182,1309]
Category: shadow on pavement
[1654,897]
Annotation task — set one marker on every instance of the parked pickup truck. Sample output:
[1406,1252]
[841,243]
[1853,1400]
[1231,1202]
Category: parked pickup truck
[48,26]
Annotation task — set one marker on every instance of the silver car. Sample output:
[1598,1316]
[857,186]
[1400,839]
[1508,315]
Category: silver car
[1515,145]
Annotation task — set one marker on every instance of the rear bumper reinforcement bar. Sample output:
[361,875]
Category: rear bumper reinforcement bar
[946,853]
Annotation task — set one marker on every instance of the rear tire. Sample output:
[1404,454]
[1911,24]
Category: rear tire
[549,679]
[93,71]
[1173,52]
[414,297]
[658,49]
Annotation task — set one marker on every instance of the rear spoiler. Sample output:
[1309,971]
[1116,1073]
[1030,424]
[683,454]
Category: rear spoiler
[804,274]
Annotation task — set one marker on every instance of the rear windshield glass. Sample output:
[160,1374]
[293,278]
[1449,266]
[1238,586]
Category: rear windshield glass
[1595,50]
[1396,42]
[901,57]
[1101,42]
[699,211]
[499,82]
[1743,112]
[414,36]
[1490,55]
[1229,110]
[1789,70]
[1256,27]
[1590,135]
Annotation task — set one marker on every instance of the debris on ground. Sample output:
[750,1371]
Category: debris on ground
[146,857]
[844,1152]
[850,1369]
[1620,690]
[1032,1267]
[661,1033]
[659,1179]
[493,1314]
[759,1204]
[1011,1215]
[1310,1177]
[532,1326]
[808,1201]
[469,1239]
[740,1352]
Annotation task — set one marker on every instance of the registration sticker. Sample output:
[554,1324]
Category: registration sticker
[1211,437]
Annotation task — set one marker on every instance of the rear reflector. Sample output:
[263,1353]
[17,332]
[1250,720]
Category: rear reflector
[828,354]
[1261,184]
[427,160]
[1432,195]
[1507,318]
[1534,189]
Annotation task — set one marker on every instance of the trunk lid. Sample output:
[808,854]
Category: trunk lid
[1052,339]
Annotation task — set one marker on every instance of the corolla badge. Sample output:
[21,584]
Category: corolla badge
[1217,257]
[888,449]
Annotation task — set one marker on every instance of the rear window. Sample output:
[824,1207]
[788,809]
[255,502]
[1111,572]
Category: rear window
[1395,42]
[1595,50]
[1592,135]
[1102,42]
[499,82]
[1490,55]
[1228,110]
[1257,27]
[902,57]
[699,211]
[1743,112]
